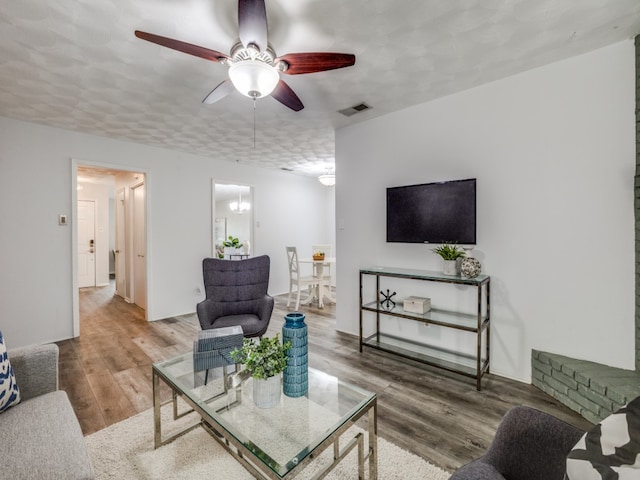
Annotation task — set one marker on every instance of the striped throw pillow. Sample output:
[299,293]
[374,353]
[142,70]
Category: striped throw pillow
[9,392]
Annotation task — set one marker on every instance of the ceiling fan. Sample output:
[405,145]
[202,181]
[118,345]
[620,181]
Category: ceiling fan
[254,68]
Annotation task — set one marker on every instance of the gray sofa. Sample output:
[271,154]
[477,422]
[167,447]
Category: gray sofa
[528,445]
[41,436]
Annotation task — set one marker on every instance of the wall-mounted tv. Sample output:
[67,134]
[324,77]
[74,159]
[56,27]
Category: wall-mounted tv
[432,213]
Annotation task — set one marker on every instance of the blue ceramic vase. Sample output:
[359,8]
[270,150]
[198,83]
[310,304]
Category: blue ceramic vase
[296,374]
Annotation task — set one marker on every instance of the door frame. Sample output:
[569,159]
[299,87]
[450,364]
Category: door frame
[120,234]
[74,232]
[134,280]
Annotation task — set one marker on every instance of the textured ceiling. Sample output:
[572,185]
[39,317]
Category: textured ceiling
[77,65]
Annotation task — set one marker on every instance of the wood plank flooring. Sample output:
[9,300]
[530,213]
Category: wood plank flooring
[437,415]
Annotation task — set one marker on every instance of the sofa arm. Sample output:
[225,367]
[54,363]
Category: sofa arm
[530,444]
[36,369]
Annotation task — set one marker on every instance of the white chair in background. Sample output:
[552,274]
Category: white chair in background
[301,282]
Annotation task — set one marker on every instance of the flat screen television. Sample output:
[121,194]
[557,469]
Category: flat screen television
[432,213]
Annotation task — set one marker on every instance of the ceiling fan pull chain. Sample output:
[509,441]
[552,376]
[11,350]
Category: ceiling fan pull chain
[254,123]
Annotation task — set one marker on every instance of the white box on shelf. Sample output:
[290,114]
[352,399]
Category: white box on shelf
[417,304]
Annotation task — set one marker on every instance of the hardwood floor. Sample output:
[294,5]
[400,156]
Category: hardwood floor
[439,416]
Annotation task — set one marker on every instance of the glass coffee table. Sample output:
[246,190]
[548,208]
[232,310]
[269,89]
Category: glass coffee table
[278,442]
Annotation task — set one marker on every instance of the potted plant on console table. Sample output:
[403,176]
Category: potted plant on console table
[264,360]
[232,246]
[451,256]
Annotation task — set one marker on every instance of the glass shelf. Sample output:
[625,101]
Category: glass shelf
[445,318]
[424,275]
[429,354]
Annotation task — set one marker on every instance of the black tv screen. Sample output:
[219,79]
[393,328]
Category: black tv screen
[432,213]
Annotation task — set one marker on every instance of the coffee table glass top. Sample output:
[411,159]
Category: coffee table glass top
[282,436]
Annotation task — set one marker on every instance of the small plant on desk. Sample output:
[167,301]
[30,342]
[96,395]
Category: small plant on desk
[449,252]
[233,242]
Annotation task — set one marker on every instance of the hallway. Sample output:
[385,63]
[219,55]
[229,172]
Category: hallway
[107,370]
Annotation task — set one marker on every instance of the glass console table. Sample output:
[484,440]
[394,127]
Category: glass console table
[477,323]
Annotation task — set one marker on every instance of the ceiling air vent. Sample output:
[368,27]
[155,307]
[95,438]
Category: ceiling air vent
[361,107]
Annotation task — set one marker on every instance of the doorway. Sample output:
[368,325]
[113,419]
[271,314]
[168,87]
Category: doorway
[111,249]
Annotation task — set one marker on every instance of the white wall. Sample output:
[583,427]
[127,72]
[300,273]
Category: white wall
[553,152]
[35,253]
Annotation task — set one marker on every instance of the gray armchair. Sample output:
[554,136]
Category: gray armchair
[528,445]
[236,294]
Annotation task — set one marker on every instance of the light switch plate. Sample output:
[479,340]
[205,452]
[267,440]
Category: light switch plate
[62,219]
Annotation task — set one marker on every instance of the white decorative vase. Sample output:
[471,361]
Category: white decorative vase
[471,267]
[228,251]
[266,393]
[449,267]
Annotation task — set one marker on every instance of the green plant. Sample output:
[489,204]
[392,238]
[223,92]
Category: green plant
[232,242]
[449,252]
[262,359]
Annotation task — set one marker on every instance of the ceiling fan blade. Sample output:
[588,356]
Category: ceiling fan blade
[194,50]
[315,62]
[252,23]
[287,97]
[218,93]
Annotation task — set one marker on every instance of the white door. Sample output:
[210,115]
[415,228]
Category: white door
[86,244]
[139,247]
[120,260]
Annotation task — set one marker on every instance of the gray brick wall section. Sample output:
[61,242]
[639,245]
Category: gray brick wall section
[593,390]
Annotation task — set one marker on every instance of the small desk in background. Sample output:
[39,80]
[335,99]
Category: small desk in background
[324,291]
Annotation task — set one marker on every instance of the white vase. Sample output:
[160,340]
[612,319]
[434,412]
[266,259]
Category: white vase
[471,267]
[449,267]
[266,393]
[228,251]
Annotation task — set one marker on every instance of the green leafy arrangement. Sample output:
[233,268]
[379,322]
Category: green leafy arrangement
[449,252]
[232,242]
[262,359]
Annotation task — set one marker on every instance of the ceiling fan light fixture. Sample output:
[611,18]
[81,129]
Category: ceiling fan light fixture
[254,78]
[328,179]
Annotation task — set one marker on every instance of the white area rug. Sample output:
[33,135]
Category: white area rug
[125,451]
